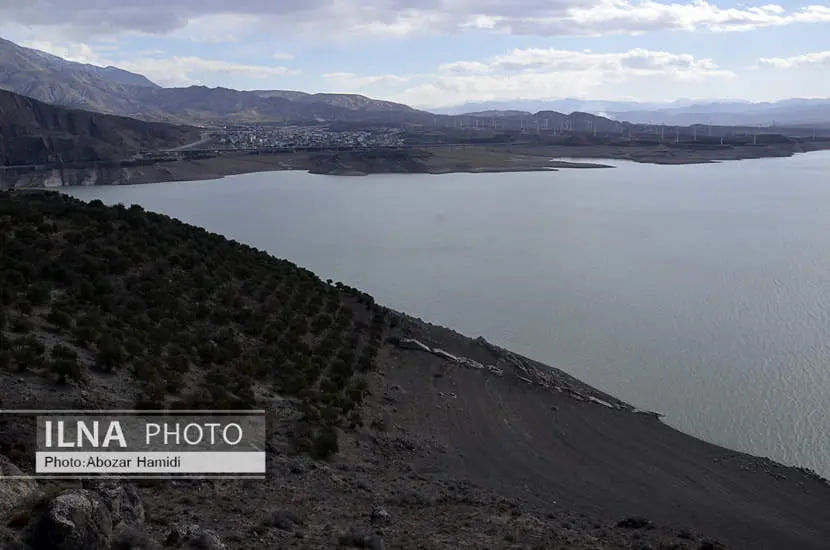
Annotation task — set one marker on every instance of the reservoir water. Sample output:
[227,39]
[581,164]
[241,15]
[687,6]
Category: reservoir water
[700,291]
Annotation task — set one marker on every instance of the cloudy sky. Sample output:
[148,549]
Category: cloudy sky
[431,53]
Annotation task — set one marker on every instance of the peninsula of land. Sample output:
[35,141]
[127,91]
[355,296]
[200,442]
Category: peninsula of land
[444,159]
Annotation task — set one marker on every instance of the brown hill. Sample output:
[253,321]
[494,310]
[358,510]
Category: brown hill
[111,90]
[55,80]
[33,132]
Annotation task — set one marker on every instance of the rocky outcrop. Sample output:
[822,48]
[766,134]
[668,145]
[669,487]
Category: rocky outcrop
[195,537]
[122,501]
[77,519]
[411,343]
[104,515]
[283,519]
[13,491]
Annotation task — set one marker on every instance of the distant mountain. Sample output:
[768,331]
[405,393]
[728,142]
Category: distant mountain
[498,114]
[785,112]
[111,90]
[353,102]
[33,132]
[54,80]
[683,112]
[284,94]
[567,105]
[16,60]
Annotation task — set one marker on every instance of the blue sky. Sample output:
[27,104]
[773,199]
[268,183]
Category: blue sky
[435,53]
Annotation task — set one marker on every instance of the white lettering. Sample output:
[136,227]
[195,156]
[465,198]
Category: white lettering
[61,437]
[82,433]
[156,429]
[91,436]
[198,429]
[114,432]
[212,426]
[238,433]
[175,432]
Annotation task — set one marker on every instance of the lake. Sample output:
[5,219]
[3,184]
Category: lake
[699,291]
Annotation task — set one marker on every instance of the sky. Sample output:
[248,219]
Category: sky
[441,53]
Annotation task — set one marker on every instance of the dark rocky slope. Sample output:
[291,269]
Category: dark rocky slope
[33,132]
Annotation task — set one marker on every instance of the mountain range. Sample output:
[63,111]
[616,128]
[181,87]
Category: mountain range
[112,90]
[682,112]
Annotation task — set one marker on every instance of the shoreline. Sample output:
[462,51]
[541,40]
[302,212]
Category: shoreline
[537,433]
[440,160]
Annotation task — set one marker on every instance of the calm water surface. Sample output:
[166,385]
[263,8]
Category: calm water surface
[702,292]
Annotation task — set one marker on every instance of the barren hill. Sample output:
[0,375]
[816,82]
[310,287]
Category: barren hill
[35,133]
[111,90]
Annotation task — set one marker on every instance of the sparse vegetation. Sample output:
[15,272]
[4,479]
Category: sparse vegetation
[196,320]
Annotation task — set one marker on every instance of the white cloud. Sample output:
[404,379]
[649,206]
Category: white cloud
[219,21]
[465,67]
[221,28]
[166,71]
[637,61]
[627,16]
[346,80]
[185,71]
[813,58]
[77,51]
[535,73]
[282,56]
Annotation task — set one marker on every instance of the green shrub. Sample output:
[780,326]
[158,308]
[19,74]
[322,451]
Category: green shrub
[110,354]
[355,419]
[132,283]
[66,369]
[59,351]
[83,335]
[38,293]
[59,318]
[325,444]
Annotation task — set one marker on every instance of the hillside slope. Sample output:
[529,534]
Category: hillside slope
[424,438]
[36,133]
[111,90]
[55,80]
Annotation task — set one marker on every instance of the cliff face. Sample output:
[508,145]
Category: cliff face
[36,133]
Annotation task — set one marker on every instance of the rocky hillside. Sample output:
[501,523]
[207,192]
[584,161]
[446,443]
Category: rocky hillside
[353,102]
[111,90]
[55,80]
[384,431]
[36,133]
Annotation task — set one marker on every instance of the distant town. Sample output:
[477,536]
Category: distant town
[305,137]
